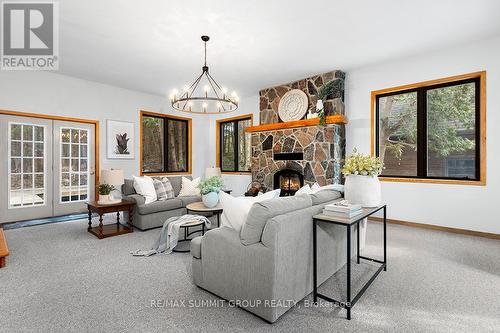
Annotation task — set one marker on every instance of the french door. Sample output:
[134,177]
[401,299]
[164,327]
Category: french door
[49,169]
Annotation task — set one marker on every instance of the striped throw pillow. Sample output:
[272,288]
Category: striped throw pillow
[163,189]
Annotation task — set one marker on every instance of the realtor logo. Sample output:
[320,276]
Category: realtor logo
[29,36]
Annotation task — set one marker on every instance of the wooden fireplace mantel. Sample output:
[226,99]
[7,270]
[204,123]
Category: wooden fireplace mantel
[335,119]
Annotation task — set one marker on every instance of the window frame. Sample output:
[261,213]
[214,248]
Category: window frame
[189,152]
[422,88]
[218,157]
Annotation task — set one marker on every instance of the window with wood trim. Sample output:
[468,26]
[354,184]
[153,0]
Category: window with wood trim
[234,147]
[165,144]
[433,130]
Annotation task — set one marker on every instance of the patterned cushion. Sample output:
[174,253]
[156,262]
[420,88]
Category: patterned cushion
[163,189]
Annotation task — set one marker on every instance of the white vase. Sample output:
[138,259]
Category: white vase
[210,199]
[363,190]
[104,199]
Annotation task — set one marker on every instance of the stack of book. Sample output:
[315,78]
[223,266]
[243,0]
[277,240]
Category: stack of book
[342,209]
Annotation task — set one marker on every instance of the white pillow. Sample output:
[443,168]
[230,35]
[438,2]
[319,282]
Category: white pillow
[235,209]
[315,188]
[145,187]
[306,189]
[189,187]
[268,195]
[336,187]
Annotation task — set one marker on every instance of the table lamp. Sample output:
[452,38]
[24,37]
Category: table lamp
[112,177]
[212,172]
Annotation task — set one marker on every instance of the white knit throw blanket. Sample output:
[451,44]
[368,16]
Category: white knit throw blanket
[169,235]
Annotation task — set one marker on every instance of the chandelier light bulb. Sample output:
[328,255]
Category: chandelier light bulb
[186,88]
[206,88]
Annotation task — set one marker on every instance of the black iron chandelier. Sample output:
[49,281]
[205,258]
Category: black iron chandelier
[213,99]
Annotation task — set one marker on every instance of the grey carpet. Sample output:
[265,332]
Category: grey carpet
[60,278]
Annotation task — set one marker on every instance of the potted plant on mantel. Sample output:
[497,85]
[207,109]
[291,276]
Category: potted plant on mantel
[210,188]
[362,185]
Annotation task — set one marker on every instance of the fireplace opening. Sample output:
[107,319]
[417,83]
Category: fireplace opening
[289,181]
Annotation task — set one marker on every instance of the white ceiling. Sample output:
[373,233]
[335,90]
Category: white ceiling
[154,45]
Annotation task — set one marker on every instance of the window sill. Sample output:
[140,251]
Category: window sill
[481,182]
[242,173]
[164,173]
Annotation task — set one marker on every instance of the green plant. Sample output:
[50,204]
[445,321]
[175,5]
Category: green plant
[322,117]
[212,184]
[332,88]
[105,189]
[365,165]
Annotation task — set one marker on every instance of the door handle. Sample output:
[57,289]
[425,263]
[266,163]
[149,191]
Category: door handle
[92,171]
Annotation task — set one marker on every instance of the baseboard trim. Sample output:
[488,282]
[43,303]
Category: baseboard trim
[438,228]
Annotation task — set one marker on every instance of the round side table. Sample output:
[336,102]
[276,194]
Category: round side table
[199,207]
[186,227]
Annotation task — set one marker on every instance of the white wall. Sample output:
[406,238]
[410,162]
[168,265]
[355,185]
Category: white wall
[468,207]
[53,94]
[458,206]
[237,183]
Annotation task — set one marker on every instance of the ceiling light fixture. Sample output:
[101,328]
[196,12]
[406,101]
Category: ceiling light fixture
[212,100]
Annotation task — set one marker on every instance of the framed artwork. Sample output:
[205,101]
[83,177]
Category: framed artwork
[120,139]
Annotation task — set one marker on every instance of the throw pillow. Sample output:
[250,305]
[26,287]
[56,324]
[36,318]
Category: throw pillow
[306,189]
[235,209]
[145,187]
[315,187]
[168,187]
[336,187]
[163,189]
[189,187]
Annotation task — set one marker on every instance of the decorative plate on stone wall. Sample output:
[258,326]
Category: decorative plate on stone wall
[293,105]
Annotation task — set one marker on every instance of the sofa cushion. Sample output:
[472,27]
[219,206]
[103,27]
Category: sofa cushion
[145,187]
[189,187]
[163,188]
[261,212]
[175,181]
[128,187]
[323,196]
[159,206]
[195,247]
[235,209]
[187,200]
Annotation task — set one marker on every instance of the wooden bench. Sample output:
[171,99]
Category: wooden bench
[4,250]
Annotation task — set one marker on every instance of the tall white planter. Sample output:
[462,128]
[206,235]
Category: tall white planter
[363,190]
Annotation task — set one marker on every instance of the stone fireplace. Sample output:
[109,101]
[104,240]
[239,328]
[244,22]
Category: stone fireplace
[288,157]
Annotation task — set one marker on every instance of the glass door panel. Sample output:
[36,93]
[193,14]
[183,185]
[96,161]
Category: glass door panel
[26,143]
[26,149]
[74,172]
[74,168]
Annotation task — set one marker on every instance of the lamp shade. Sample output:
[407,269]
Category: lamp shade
[112,177]
[212,172]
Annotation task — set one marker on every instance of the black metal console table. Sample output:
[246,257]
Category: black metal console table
[348,223]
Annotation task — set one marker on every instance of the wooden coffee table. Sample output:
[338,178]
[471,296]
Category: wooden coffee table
[199,207]
[110,230]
